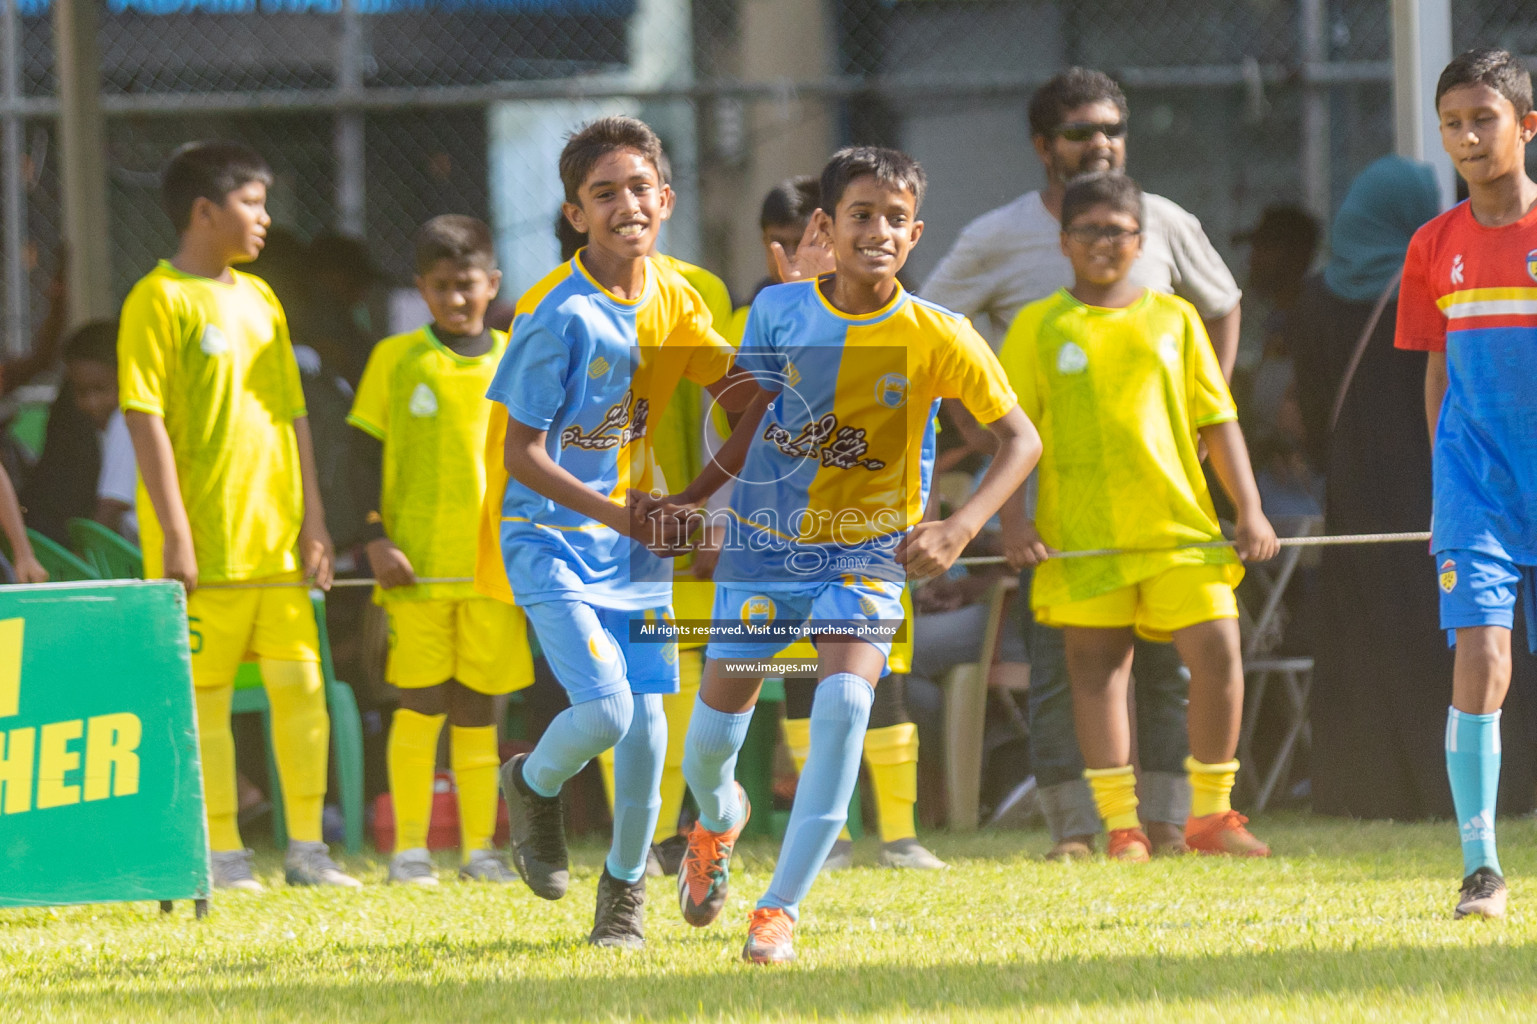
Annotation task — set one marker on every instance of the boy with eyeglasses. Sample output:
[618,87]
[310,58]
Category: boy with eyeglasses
[1468,299]
[1007,259]
[1124,386]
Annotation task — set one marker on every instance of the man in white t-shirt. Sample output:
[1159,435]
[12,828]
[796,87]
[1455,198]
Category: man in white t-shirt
[1006,259]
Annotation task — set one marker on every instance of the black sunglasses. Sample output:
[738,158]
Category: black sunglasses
[1083,131]
[1088,234]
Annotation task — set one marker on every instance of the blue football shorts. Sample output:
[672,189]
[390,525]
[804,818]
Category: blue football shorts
[847,602]
[1478,589]
[592,654]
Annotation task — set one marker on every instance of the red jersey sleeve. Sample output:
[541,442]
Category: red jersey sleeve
[1421,324]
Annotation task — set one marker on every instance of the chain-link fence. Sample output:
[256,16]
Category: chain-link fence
[377,114]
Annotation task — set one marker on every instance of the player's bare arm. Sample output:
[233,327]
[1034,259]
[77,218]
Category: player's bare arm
[1253,535]
[929,549]
[1435,391]
[157,468]
[317,556]
[1223,331]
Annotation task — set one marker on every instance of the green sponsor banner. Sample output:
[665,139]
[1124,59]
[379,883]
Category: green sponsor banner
[101,793]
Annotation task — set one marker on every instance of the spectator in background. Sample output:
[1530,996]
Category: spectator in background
[1380,690]
[340,274]
[1013,256]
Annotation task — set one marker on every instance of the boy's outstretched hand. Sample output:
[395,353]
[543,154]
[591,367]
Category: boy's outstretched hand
[929,549]
[1255,539]
[813,255]
[1023,546]
[662,522]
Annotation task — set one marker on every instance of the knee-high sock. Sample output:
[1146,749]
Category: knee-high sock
[1473,766]
[216,748]
[412,754]
[1115,794]
[709,763]
[1211,786]
[797,736]
[679,708]
[839,715]
[892,756]
[576,736]
[637,774]
[301,742]
[473,757]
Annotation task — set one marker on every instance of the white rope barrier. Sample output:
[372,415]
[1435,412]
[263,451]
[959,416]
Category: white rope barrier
[982,560]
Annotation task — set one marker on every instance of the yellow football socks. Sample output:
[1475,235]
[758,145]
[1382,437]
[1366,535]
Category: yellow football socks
[473,757]
[412,756]
[679,708]
[1211,787]
[301,731]
[891,754]
[797,734]
[216,747]
[1115,794]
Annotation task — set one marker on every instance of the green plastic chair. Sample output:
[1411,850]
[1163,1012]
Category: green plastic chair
[755,768]
[346,735]
[62,564]
[110,555]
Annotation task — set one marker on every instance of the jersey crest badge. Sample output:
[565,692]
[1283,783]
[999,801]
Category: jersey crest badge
[1168,349]
[891,390]
[758,608]
[423,402]
[1457,269]
[598,367]
[1071,359]
[1449,575]
[1531,264]
[213,342]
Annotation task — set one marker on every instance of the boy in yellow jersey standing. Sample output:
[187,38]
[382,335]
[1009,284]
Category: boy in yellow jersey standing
[824,519]
[596,352]
[229,493]
[421,416]
[1125,386]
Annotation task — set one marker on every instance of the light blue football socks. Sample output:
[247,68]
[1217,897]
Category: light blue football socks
[709,763]
[576,736]
[840,713]
[1473,766]
[638,760]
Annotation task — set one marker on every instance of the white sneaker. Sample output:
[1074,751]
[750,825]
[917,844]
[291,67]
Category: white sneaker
[232,870]
[413,867]
[486,866]
[311,864]
[909,853]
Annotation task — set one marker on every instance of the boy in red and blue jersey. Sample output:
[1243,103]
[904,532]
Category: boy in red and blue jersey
[824,523]
[1469,299]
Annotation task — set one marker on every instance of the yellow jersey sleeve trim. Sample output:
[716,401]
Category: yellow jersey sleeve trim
[137,405]
[992,415]
[372,430]
[1225,416]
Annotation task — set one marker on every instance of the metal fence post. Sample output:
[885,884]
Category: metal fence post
[83,159]
[1315,150]
[347,143]
[16,294]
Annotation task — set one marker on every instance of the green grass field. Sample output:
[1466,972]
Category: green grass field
[1351,922]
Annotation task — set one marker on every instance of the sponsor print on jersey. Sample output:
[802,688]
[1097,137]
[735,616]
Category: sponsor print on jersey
[598,367]
[621,424]
[838,447]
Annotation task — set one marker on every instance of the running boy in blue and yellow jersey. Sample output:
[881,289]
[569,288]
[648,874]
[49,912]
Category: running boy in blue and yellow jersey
[228,491]
[1124,385]
[421,415]
[597,349]
[824,520]
[1468,298]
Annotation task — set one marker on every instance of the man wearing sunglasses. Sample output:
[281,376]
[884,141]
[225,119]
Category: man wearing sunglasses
[1013,256]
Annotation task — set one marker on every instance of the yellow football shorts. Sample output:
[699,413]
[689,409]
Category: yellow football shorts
[479,641]
[228,626]
[1158,606]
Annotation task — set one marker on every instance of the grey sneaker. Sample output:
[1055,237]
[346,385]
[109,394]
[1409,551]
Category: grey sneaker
[311,864]
[909,853]
[485,866]
[620,919]
[840,857]
[538,834]
[232,870]
[413,867]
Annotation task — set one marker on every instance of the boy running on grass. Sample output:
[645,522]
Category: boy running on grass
[824,519]
[421,415]
[1125,386]
[596,352]
[229,494]
[1469,300]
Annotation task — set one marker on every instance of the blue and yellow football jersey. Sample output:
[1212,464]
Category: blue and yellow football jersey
[840,467]
[594,372]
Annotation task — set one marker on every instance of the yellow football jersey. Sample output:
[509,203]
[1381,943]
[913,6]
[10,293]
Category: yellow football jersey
[1118,396]
[214,360]
[428,406]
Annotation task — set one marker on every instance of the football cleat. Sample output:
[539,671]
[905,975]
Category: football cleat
[705,872]
[1223,833]
[1483,895]
[770,937]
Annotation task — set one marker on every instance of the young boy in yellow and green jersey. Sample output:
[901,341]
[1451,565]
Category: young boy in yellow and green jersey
[229,494]
[422,415]
[1124,386]
[596,351]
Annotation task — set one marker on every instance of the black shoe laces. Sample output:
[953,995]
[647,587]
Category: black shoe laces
[622,906]
[1483,884]
[547,829]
